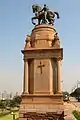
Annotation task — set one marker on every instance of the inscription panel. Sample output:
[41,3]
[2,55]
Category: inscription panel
[41,76]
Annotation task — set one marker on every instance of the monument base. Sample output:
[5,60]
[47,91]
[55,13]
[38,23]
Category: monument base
[42,95]
[41,112]
[40,107]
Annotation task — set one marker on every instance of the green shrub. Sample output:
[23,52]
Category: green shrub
[76,114]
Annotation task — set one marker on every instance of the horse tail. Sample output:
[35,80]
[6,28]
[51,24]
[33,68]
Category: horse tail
[57,15]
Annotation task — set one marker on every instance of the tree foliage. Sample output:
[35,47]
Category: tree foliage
[66,93]
[17,99]
[2,105]
[8,104]
[75,93]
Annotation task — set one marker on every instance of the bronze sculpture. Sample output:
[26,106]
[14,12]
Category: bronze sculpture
[44,15]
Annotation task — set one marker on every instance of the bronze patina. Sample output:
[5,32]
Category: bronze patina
[43,15]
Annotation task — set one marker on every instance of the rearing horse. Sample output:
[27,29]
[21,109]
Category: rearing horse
[41,15]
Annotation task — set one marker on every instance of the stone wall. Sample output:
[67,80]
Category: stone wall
[43,116]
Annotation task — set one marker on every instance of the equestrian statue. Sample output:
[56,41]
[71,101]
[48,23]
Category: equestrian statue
[43,15]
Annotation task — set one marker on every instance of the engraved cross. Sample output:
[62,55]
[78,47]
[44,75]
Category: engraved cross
[41,66]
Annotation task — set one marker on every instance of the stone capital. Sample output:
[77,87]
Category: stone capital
[58,59]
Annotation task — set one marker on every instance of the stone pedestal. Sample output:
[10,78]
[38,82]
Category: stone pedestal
[42,36]
[42,72]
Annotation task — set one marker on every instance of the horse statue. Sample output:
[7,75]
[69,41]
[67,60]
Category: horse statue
[43,15]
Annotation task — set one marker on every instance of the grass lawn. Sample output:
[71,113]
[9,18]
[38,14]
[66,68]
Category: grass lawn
[9,117]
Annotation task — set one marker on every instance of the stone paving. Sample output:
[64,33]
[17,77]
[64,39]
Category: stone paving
[68,111]
[69,107]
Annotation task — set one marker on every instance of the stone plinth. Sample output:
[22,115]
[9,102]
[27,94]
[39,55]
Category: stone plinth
[34,105]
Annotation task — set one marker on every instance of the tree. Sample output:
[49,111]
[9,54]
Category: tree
[66,93]
[17,100]
[66,96]
[76,93]
[2,105]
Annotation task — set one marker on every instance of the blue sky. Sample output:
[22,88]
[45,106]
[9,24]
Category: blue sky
[15,24]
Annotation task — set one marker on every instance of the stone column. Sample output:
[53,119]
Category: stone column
[25,87]
[51,77]
[59,91]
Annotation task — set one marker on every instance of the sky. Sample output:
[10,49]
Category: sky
[15,24]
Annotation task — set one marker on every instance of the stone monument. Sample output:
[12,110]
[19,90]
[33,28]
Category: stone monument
[42,92]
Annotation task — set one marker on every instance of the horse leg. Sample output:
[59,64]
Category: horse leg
[51,21]
[39,20]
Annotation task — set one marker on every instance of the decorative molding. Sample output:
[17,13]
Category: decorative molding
[43,53]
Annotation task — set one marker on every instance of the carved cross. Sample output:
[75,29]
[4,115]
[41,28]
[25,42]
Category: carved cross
[41,66]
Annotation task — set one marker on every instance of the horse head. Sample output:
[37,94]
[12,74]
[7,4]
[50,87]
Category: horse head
[36,8]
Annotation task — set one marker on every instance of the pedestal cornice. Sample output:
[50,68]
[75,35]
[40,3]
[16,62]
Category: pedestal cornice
[33,53]
[39,27]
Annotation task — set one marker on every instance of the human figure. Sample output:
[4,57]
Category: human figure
[44,11]
[56,41]
[56,37]
[28,42]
